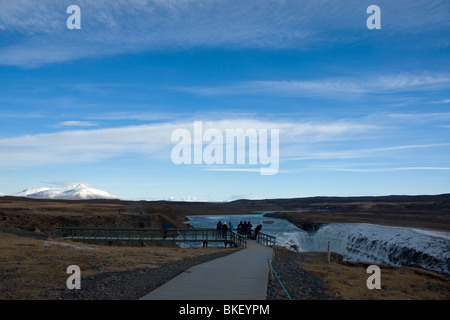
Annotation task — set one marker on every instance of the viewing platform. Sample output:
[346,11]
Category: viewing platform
[141,235]
[242,275]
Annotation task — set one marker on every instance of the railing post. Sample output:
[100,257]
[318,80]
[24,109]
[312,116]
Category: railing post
[270,269]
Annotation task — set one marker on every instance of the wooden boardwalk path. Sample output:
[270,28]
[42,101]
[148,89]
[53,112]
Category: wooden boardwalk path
[242,275]
[141,235]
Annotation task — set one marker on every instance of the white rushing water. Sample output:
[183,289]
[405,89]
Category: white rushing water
[354,241]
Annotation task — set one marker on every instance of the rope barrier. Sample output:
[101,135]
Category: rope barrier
[271,267]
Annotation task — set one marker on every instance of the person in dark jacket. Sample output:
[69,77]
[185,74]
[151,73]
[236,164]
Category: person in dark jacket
[249,230]
[257,230]
[244,229]
[224,230]
[239,228]
[219,229]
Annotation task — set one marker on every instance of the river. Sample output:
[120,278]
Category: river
[354,241]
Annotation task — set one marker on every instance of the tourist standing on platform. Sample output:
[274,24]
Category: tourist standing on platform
[257,230]
[219,229]
[249,230]
[224,230]
[239,227]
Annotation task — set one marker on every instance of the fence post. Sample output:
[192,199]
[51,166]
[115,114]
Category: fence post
[270,269]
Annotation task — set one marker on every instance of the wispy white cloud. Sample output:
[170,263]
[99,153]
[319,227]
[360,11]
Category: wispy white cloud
[38,35]
[364,153]
[392,169]
[442,101]
[422,117]
[29,115]
[44,17]
[372,84]
[150,140]
[232,169]
[243,170]
[77,124]
[137,116]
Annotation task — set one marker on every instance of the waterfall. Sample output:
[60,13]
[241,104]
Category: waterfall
[398,246]
[380,244]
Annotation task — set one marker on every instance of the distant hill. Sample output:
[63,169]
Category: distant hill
[81,206]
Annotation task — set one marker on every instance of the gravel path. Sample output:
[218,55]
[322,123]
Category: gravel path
[300,284]
[133,284]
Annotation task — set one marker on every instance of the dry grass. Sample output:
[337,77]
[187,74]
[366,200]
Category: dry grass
[32,269]
[36,269]
[347,280]
[46,215]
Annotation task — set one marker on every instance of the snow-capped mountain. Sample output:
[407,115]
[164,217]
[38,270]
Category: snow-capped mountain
[72,192]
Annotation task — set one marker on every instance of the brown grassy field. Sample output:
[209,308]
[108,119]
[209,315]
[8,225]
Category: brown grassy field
[347,280]
[46,215]
[36,269]
[32,269]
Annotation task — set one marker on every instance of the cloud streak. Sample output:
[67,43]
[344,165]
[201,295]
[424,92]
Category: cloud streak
[353,85]
[74,123]
[36,34]
[152,140]
[394,169]
[364,153]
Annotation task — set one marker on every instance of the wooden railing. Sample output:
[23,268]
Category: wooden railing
[266,239]
[147,234]
[238,239]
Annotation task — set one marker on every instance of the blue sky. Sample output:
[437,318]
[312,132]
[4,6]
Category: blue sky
[359,111]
